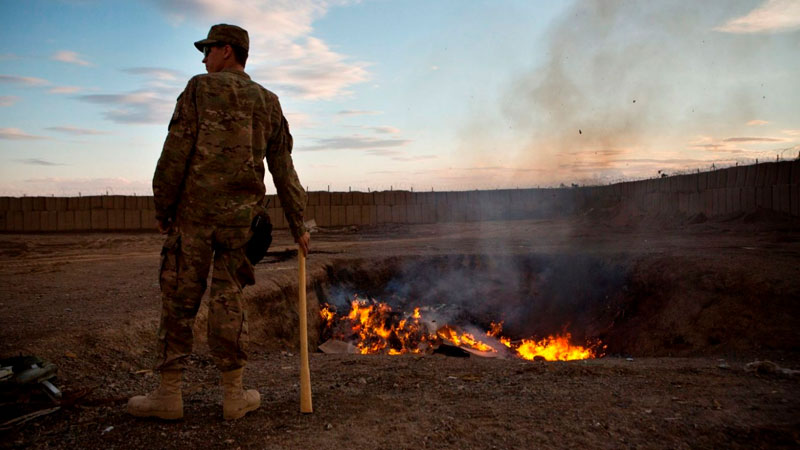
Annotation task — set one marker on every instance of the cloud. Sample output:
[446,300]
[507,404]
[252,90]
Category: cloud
[8,100]
[757,122]
[719,148]
[383,152]
[791,132]
[673,161]
[414,158]
[76,131]
[76,186]
[399,155]
[139,107]
[283,51]
[298,120]
[771,16]
[157,73]
[499,169]
[64,90]
[270,20]
[605,153]
[15,134]
[8,56]
[315,72]
[356,142]
[753,139]
[153,103]
[384,129]
[733,146]
[610,170]
[70,57]
[709,144]
[26,81]
[357,112]
[38,162]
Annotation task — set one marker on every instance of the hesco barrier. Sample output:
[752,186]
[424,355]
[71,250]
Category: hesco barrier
[770,186]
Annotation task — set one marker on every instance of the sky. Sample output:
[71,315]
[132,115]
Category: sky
[409,94]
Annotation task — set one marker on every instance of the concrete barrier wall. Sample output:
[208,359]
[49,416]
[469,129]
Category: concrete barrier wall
[770,186]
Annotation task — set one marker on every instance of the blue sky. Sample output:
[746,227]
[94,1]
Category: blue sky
[445,94]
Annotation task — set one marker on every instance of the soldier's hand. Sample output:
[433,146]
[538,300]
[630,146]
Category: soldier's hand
[304,242]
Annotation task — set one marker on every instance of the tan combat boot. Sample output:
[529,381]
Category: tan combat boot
[237,402]
[166,402]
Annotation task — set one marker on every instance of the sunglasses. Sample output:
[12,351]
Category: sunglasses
[207,49]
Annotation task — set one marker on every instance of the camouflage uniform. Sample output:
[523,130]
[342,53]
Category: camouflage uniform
[208,185]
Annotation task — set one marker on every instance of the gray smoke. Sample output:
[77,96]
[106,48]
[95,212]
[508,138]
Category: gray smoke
[624,73]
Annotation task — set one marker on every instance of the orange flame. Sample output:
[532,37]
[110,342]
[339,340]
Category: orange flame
[553,348]
[328,315]
[462,339]
[376,328]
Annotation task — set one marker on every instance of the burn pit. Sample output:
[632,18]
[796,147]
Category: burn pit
[532,307]
[373,327]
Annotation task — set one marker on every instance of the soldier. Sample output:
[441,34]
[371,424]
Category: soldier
[208,187]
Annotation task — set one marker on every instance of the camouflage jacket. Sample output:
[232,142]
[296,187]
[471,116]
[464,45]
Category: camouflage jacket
[211,169]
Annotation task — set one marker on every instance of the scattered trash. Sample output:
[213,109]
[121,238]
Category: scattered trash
[724,366]
[451,350]
[28,372]
[51,390]
[769,368]
[69,354]
[628,359]
[107,429]
[335,346]
[328,426]
[144,372]
[482,354]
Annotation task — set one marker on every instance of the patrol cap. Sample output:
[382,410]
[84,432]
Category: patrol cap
[225,34]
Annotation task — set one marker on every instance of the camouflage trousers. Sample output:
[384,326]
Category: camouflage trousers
[187,255]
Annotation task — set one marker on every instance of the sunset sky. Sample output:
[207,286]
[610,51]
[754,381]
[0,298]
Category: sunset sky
[422,94]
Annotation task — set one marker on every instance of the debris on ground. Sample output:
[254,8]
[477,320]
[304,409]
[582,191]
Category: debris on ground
[27,372]
[451,350]
[22,380]
[769,368]
[336,346]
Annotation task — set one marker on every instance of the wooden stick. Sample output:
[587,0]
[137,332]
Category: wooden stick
[305,373]
[27,417]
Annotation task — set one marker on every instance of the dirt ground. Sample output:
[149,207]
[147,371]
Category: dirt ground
[699,302]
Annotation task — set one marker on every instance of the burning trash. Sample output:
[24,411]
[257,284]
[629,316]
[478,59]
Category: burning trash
[372,327]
